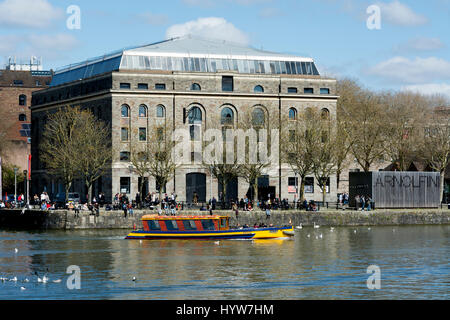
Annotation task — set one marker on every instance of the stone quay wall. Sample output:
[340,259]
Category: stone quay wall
[66,220]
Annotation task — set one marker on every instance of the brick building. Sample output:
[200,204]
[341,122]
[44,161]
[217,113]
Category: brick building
[189,83]
[16,88]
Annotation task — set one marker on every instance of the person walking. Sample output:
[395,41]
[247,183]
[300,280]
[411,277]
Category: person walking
[268,212]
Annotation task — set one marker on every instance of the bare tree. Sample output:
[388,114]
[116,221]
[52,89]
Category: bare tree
[59,150]
[436,146]
[364,122]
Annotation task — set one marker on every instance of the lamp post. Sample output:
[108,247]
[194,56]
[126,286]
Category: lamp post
[15,185]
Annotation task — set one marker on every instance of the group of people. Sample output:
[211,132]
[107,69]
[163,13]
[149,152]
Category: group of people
[363,203]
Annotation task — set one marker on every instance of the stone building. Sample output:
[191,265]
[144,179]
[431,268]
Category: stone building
[189,83]
[16,87]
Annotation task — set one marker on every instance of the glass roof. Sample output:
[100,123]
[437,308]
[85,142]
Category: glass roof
[189,54]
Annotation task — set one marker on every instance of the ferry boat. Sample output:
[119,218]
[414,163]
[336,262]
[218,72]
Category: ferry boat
[202,228]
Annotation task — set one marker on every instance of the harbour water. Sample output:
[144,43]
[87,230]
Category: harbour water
[413,260]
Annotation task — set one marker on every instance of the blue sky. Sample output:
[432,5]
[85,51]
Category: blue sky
[411,50]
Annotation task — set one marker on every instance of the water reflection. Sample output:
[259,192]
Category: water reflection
[329,264]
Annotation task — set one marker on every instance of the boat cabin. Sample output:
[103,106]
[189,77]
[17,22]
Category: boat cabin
[185,223]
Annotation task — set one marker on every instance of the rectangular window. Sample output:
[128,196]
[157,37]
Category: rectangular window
[324,91]
[309,185]
[208,225]
[124,134]
[125,86]
[308,90]
[160,86]
[227,84]
[153,225]
[125,185]
[142,86]
[171,225]
[292,90]
[327,186]
[125,156]
[189,225]
[292,184]
[18,82]
[142,134]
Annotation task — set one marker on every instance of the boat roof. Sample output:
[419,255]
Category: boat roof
[158,217]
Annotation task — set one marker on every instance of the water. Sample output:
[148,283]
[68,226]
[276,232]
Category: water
[413,261]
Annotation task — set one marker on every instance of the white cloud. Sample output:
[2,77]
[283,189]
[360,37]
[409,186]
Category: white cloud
[212,27]
[28,13]
[420,44]
[413,71]
[397,13]
[430,88]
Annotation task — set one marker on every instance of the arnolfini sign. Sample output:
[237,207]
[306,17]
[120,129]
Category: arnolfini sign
[394,189]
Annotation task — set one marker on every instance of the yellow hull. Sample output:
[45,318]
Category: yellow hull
[262,233]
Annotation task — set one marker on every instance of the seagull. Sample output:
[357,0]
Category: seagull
[217,242]
[26,280]
[354,231]
[57,281]
[134,279]
[321,236]
[317,238]
[38,279]
[368,229]
[140,241]
[299,227]
[332,229]
[316,226]
[13,279]
[309,235]
[22,288]
[16,250]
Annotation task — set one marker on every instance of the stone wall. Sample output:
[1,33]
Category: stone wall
[66,220]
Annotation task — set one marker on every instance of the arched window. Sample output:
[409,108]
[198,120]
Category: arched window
[258,89]
[142,111]
[227,116]
[292,114]
[195,87]
[22,100]
[160,111]
[22,117]
[195,123]
[325,114]
[125,111]
[258,117]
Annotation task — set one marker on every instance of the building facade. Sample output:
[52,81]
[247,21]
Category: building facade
[188,83]
[16,89]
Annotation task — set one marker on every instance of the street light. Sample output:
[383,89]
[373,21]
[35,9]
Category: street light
[15,185]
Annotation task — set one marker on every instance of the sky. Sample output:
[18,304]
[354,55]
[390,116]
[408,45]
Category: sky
[385,45]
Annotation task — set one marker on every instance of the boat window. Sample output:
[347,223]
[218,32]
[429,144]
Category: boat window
[223,223]
[208,225]
[189,225]
[153,225]
[171,225]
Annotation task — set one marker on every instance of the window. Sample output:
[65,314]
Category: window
[22,117]
[292,184]
[18,82]
[38,83]
[153,225]
[292,114]
[189,225]
[125,86]
[227,116]
[308,90]
[124,134]
[22,100]
[142,134]
[208,225]
[324,91]
[142,86]
[160,86]
[125,111]
[309,185]
[258,89]
[171,225]
[327,185]
[227,84]
[125,156]
[195,123]
[143,111]
[124,184]
[325,114]
[258,117]
[292,90]
[195,87]
[160,111]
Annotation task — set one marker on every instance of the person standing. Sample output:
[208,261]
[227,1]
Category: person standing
[268,212]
